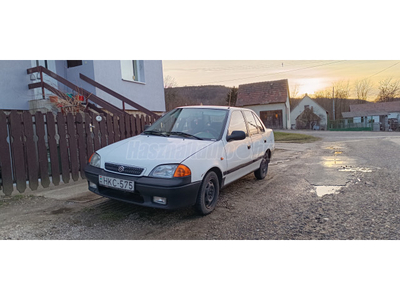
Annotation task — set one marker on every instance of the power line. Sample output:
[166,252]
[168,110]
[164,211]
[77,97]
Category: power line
[277,73]
[246,67]
[384,70]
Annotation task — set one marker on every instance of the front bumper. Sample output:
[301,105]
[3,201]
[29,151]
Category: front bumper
[179,192]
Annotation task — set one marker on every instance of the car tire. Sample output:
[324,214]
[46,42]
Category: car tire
[263,170]
[208,194]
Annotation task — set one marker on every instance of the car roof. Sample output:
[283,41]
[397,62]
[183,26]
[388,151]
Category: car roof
[214,107]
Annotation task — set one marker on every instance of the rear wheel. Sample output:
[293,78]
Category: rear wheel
[263,170]
[208,194]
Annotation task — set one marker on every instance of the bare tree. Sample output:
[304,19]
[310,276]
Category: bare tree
[169,82]
[294,91]
[231,97]
[363,88]
[323,94]
[342,89]
[388,90]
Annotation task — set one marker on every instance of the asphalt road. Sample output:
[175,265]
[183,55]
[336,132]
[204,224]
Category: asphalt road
[344,187]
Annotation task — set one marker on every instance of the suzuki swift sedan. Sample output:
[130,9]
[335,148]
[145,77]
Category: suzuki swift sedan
[183,159]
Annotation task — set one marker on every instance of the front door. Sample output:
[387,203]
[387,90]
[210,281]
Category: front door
[272,119]
[239,153]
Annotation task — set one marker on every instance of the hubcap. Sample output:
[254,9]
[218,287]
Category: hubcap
[209,193]
[264,166]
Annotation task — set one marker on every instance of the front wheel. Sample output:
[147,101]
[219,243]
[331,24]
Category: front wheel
[263,170]
[208,194]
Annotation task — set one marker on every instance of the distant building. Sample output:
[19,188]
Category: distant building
[383,116]
[269,99]
[308,114]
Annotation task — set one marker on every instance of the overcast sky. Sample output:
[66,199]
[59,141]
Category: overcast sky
[308,76]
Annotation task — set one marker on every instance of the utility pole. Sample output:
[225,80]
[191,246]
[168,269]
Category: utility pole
[333,96]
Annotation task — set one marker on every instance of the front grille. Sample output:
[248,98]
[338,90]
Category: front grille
[121,195]
[124,169]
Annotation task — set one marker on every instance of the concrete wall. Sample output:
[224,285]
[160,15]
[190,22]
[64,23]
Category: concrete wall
[14,92]
[149,94]
[318,110]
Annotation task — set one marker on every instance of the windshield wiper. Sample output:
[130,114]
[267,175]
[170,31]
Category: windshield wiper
[179,133]
[154,132]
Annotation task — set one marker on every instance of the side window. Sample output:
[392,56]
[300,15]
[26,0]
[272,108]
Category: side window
[259,124]
[237,123]
[132,70]
[251,123]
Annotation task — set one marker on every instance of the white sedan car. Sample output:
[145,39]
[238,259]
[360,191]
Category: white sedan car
[184,158]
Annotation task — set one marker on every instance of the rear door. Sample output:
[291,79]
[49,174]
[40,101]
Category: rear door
[256,135]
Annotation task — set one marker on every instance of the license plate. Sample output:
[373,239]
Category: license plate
[120,184]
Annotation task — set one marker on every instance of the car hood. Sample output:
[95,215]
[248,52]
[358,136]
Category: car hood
[146,151]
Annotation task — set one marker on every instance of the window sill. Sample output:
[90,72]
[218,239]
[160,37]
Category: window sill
[139,82]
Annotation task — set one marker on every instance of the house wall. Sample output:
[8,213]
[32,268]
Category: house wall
[14,91]
[275,106]
[288,113]
[366,119]
[72,74]
[15,94]
[318,110]
[149,94]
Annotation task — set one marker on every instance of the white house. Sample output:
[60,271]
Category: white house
[383,116]
[299,119]
[141,81]
[269,99]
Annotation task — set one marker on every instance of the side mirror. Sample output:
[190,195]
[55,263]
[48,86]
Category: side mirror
[236,135]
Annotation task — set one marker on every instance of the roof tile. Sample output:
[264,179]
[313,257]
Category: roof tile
[266,92]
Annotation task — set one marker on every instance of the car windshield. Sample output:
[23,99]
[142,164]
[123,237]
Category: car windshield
[194,123]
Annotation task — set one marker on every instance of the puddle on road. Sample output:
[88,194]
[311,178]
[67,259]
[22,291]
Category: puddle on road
[327,189]
[355,169]
[337,160]
[342,164]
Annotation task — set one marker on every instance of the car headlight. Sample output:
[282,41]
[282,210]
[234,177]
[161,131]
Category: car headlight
[95,160]
[170,171]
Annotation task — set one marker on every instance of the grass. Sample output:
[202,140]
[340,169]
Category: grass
[286,137]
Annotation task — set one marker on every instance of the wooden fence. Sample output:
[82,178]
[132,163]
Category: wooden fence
[36,149]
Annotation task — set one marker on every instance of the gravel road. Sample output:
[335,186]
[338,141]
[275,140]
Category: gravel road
[344,187]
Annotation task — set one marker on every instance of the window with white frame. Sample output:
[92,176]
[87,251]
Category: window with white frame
[132,70]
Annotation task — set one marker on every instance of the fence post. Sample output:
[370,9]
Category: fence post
[5,156]
[81,144]
[42,150]
[73,146]
[122,126]
[31,155]
[103,132]
[110,130]
[63,147]
[51,134]
[89,135]
[17,148]
[117,134]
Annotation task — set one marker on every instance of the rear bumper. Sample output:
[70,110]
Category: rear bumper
[179,192]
